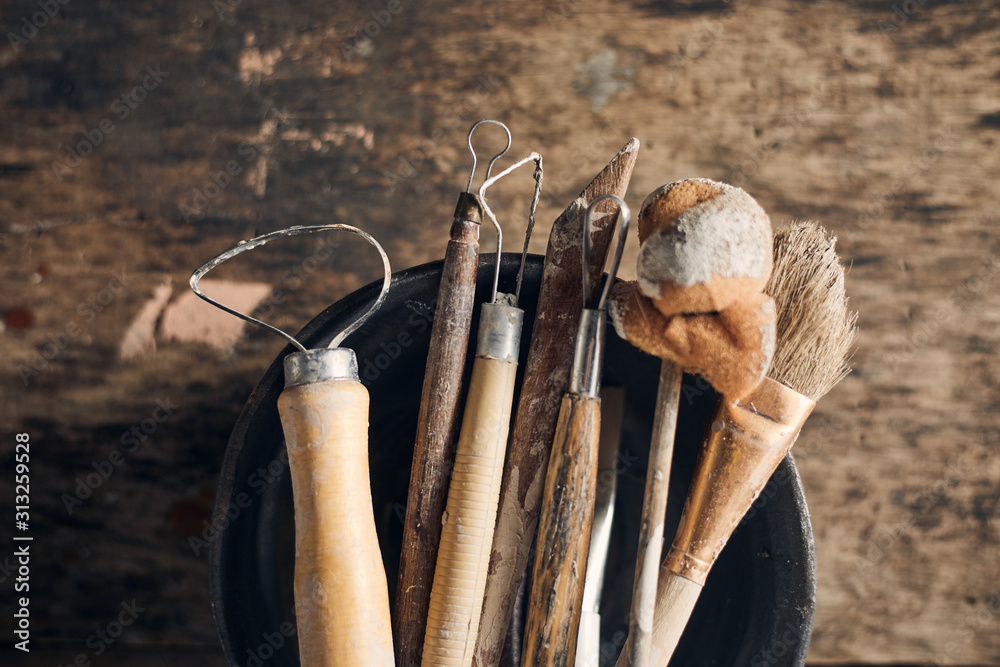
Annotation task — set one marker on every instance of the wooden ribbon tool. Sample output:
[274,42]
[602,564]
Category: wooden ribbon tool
[564,527]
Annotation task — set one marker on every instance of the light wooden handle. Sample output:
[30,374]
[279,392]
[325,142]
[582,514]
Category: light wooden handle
[637,650]
[675,599]
[470,516]
[341,597]
[563,537]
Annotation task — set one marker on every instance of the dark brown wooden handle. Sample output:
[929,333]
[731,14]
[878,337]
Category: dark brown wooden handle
[564,527]
[437,434]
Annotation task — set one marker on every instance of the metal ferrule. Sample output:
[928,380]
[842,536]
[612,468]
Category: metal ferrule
[745,444]
[323,365]
[585,377]
[470,207]
[499,332]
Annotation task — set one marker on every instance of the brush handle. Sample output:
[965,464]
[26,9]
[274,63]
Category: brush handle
[341,597]
[675,600]
[437,431]
[742,449]
[564,528]
[456,600]
[637,650]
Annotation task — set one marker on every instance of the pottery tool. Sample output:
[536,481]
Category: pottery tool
[748,438]
[546,377]
[588,643]
[456,599]
[438,418]
[564,526]
[704,256]
[341,597]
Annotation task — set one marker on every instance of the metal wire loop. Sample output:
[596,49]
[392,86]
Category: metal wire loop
[244,246]
[496,157]
[616,257]
[537,159]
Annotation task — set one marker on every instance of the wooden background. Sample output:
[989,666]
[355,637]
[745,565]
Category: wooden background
[881,120]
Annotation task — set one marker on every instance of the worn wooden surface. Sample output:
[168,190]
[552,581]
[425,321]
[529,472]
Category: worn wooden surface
[879,119]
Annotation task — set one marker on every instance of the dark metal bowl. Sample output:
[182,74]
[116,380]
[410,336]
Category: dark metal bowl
[756,608]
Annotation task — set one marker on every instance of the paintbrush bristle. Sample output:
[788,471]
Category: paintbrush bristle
[815,328]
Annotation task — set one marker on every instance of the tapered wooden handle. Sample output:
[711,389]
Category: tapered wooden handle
[341,597]
[467,524]
[438,423]
[564,527]
[675,599]
[637,650]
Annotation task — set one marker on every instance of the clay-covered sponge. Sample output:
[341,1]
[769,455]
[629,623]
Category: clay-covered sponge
[704,246]
[731,348]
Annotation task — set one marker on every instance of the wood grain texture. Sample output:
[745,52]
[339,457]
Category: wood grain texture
[884,127]
[467,524]
[636,651]
[675,600]
[564,527]
[545,380]
[437,432]
[341,598]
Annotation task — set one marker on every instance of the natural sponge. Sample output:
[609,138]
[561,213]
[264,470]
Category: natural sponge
[704,245]
[732,348]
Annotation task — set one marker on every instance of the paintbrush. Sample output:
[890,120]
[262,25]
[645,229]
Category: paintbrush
[747,439]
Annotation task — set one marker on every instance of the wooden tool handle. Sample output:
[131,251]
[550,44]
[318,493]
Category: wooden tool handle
[675,599]
[564,527]
[549,359]
[654,512]
[341,597]
[437,431]
[467,524]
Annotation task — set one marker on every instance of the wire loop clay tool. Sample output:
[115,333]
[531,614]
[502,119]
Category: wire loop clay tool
[564,527]
[438,418]
[341,597]
[467,523]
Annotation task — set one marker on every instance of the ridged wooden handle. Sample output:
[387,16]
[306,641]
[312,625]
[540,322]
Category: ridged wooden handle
[341,597]
[437,431]
[470,516]
[564,527]
[675,599]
